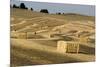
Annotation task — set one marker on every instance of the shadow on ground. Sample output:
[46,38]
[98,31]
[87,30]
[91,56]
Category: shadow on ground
[22,57]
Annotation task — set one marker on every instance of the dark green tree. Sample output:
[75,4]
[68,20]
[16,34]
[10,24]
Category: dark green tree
[31,9]
[14,6]
[22,6]
[44,11]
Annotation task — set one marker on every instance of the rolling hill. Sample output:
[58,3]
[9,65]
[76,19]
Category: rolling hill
[34,37]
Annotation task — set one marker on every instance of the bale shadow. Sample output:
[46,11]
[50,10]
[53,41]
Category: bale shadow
[87,49]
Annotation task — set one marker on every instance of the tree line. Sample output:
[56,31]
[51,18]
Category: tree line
[22,6]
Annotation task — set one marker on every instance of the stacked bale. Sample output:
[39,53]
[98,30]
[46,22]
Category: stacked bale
[72,47]
[18,35]
[84,40]
[22,36]
[46,35]
[68,47]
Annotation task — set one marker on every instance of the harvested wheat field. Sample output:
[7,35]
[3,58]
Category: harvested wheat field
[35,37]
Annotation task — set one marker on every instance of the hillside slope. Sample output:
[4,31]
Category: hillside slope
[34,37]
